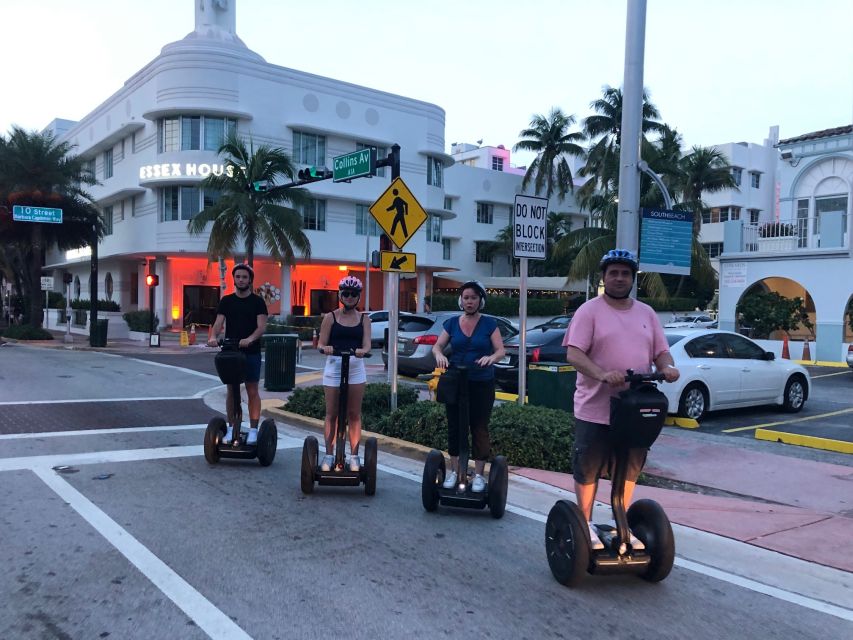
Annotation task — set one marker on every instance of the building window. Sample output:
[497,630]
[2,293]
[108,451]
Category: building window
[448,203]
[108,163]
[434,172]
[365,224]
[119,211]
[169,134]
[210,197]
[830,204]
[481,252]
[309,149]
[737,175]
[497,163]
[134,287]
[754,215]
[485,213]
[713,249]
[180,203]
[108,221]
[190,133]
[755,179]
[433,228]
[720,214]
[445,246]
[381,154]
[314,215]
[216,131]
[89,168]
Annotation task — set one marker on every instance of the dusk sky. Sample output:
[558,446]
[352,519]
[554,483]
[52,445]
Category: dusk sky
[719,71]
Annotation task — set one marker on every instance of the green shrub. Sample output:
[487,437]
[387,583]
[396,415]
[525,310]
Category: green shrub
[531,436]
[140,320]
[311,401]
[103,305]
[307,401]
[672,304]
[505,305]
[423,423]
[26,332]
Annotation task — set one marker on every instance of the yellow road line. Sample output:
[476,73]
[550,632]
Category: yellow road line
[776,424]
[820,363]
[840,446]
[826,375]
[309,377]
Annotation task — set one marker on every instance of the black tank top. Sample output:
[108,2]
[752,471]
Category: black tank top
[343,337]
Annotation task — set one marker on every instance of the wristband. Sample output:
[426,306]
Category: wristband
[670,366]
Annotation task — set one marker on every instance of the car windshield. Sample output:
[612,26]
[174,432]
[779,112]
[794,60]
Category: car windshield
[672,338]
[537,337]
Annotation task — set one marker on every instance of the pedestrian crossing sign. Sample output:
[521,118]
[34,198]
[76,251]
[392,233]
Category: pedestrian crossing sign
[398,213]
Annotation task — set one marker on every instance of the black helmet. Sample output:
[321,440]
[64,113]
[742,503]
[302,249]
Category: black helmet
[244,266]
[619,256]
[477,286]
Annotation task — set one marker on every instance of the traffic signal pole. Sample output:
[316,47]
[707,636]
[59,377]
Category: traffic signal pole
[93,286]
[393,280]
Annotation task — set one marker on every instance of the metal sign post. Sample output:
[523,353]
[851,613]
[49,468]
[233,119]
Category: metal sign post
[529,233]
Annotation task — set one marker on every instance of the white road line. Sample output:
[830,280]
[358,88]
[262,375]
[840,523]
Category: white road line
[81,400]
[97,432]
[172,366]
[42,464]
[200,610]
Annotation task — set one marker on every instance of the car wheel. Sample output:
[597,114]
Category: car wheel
[694,401]
[795,394]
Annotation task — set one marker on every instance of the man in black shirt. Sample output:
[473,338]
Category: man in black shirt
[244,315]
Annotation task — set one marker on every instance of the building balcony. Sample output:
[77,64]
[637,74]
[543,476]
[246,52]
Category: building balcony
[827,232]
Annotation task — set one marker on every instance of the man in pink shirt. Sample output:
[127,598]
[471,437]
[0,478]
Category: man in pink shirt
[607,336]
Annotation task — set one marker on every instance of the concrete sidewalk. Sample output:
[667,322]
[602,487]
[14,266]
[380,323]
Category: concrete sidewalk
[802,508]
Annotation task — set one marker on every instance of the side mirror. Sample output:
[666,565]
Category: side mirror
[769,355]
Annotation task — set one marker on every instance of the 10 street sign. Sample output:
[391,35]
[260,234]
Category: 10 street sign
[354,165]
[22,213]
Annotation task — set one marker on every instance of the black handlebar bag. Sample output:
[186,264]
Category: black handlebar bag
[231,366]
[637,416]
[447,391]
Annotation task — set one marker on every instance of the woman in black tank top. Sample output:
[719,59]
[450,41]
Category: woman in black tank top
[343,329]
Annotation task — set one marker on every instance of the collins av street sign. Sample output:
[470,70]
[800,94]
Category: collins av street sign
[359,164]
[23,213]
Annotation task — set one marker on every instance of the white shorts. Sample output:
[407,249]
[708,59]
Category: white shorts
[332,371]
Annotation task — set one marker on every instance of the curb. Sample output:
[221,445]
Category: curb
[799,440]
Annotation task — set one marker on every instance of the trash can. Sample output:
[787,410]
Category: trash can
[98,333]
[552,384]
[280,361]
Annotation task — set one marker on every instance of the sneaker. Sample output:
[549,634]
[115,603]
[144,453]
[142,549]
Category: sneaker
[253,437]
[450,480]
[229,434]
[479,484]
[595,542]
[354,463]
[328,461]
[636,543]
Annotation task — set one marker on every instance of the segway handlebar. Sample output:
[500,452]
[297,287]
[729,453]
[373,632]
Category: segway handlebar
[228,343]
[348,352]
[635,378]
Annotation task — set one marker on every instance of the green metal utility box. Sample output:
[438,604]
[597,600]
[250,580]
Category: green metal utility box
[552,384]
[280,361]
[98,333]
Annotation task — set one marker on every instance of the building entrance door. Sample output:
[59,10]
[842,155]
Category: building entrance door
[200,304]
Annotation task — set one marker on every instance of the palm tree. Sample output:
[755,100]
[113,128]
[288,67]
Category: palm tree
[703,170]
[549,137]
[605,129]
[241,213]
[37,170]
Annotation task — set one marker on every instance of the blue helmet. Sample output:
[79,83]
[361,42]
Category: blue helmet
[619,256]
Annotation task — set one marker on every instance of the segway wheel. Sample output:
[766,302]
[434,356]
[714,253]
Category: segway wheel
[433,474]
[309,464]
[649,523]
[498,482]
[212,437]
[567,543]
[267,442]
[369,469]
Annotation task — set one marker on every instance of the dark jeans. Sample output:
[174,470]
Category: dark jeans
[481,399]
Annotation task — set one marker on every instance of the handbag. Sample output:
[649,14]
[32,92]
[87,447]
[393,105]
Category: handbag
[447,391]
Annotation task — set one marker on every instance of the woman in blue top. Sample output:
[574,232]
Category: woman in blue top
[476,343]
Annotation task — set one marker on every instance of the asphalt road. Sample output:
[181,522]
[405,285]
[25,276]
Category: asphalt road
[115,526]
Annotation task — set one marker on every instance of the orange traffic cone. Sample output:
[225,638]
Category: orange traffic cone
[785,353]
[807,354]
[315,339]
[192,334]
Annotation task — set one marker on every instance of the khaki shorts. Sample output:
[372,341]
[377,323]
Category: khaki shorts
[594,454]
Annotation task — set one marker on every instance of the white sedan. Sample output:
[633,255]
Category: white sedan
[725,370]
[691,321]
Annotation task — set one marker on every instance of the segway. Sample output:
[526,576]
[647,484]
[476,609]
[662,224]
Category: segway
[636,418]
[433,492]
[231,367]
[339,475]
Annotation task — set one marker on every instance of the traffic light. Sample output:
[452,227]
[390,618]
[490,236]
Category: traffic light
[261,185]
[385,243]
[375,260]
[152,279]
[312,174]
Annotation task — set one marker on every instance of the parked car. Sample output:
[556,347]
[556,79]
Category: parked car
[416,333]
[850,356]
[691,321]
[725,370]
[543,344]
[557,322]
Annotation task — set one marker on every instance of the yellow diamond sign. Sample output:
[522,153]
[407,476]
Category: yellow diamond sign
[398,213]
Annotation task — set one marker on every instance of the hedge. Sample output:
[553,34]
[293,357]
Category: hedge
[505,305]
[528,436]
[103,305]
[26,332]
[672,304]
[140,320]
